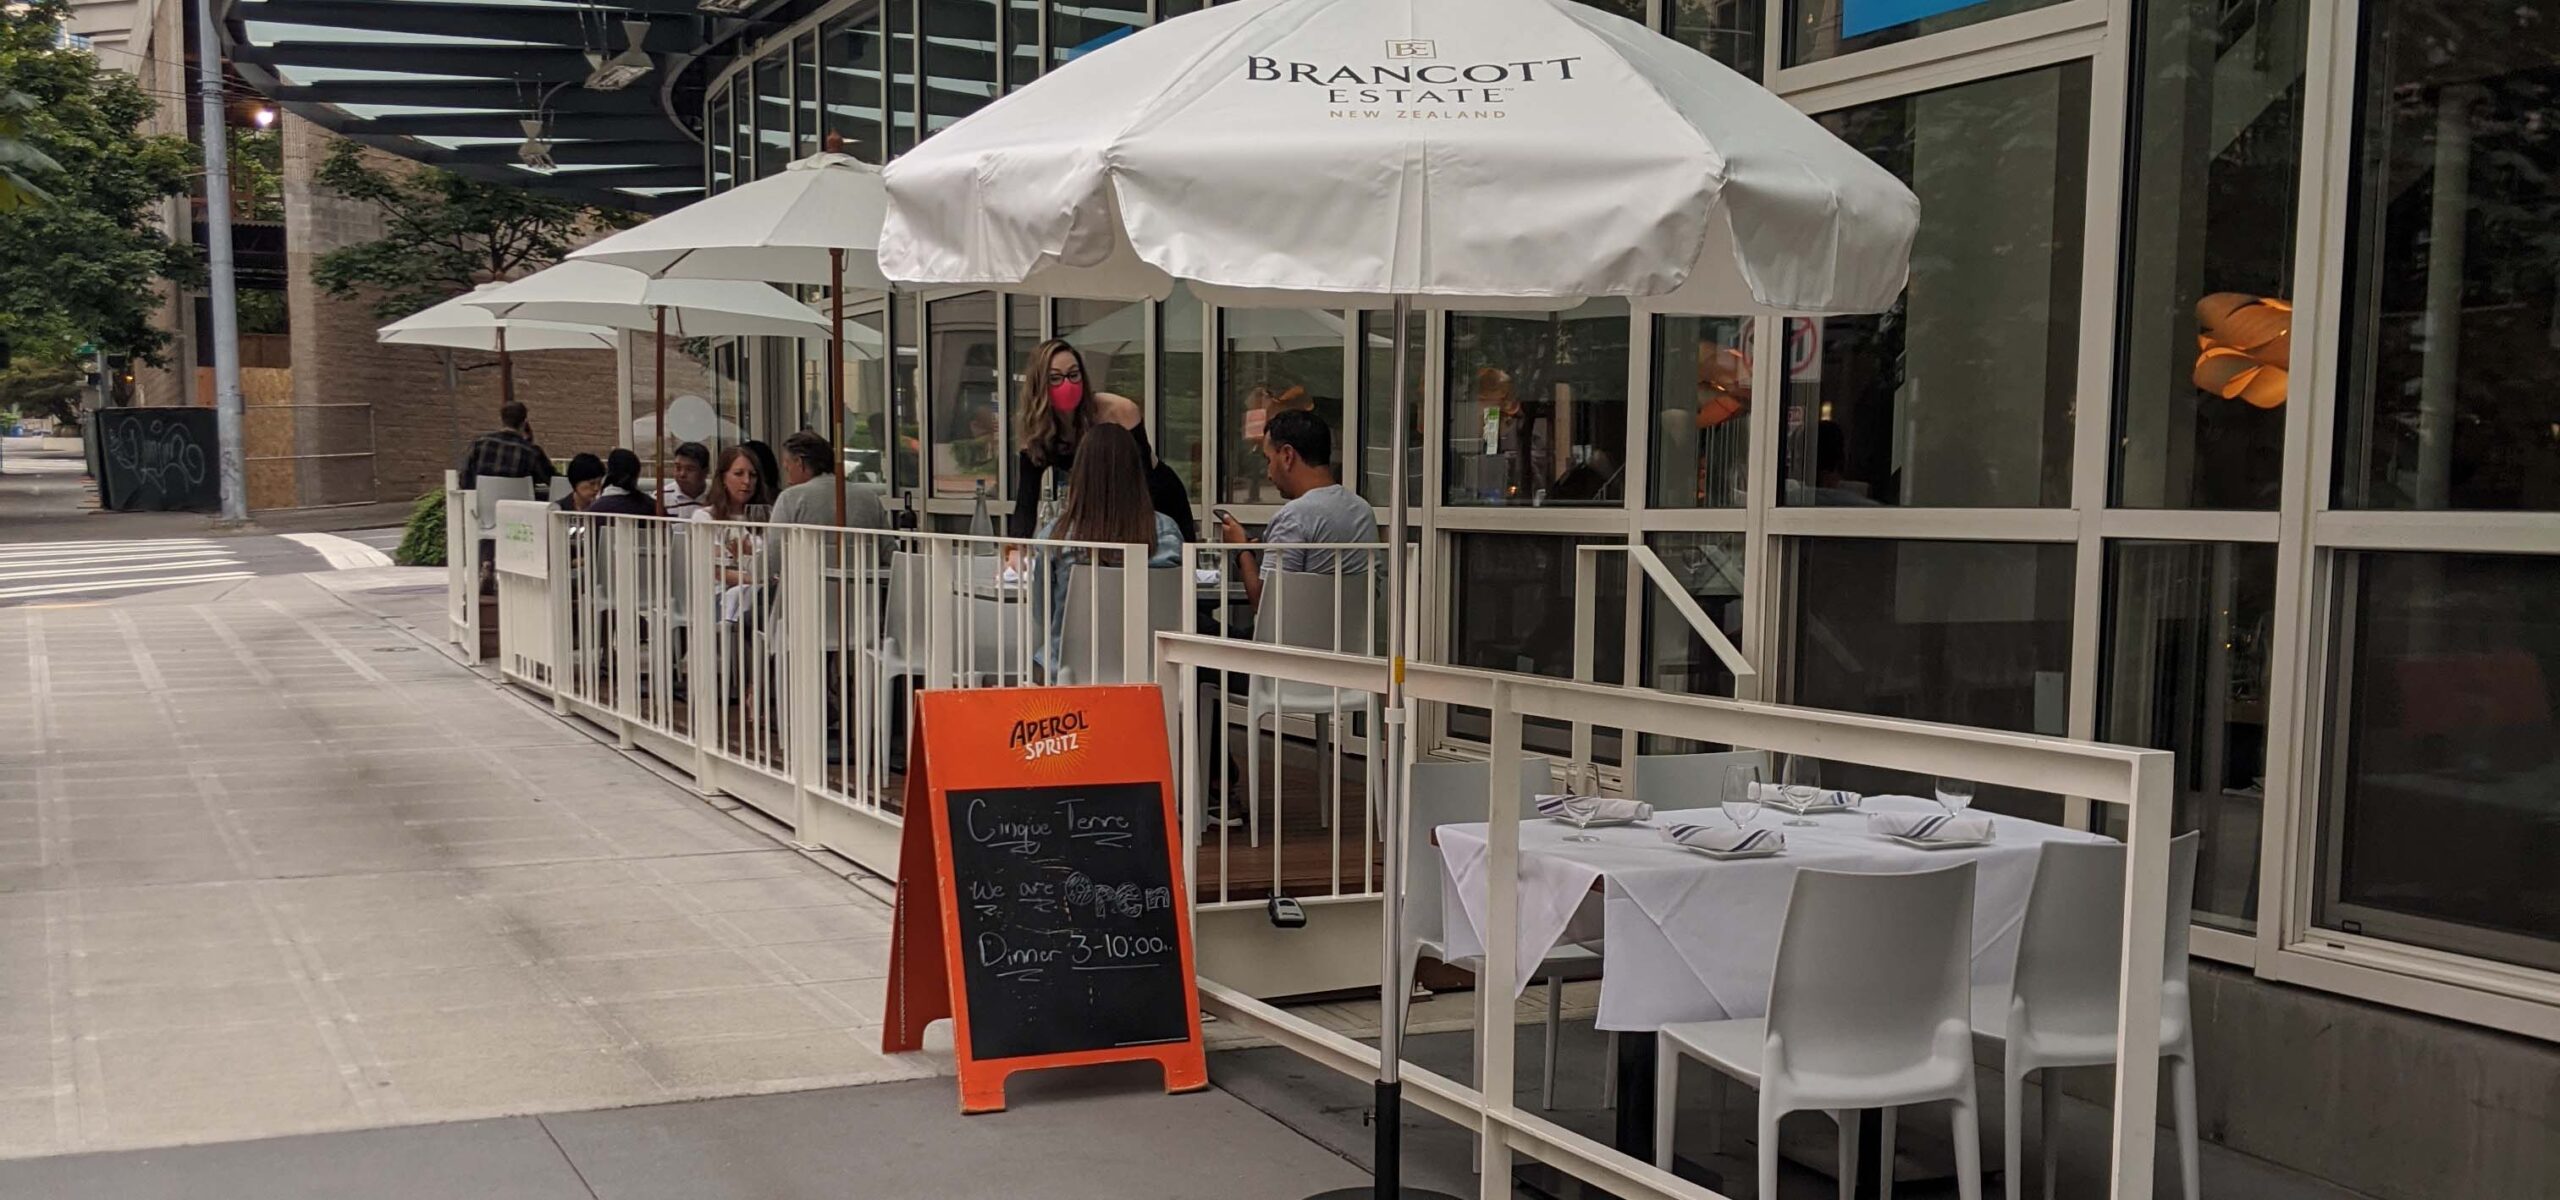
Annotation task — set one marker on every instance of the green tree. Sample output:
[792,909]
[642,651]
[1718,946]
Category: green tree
[444,234]
[79,264]
[50,389]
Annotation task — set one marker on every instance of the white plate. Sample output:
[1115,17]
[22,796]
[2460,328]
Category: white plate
[1756,852]
[1940,844]
[1598,823]
[1814,810]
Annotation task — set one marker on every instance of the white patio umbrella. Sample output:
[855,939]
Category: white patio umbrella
[1391,153]
[597,294]
[456,324]
[815,222]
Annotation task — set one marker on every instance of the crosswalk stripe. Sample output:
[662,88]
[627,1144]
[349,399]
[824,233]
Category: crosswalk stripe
[343,553]
[19,593]
[119,556]
[125,569]
[86,546]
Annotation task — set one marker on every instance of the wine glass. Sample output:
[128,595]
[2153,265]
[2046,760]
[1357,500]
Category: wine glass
[1800,781]
[1741,795]
[1581,779]
[1954,795]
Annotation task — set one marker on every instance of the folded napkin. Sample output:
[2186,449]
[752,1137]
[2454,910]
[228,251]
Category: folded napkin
[1725,839]
[1771,793]
[1584,810]
[1931,827]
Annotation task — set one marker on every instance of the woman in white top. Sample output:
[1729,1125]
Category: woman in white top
[736,487]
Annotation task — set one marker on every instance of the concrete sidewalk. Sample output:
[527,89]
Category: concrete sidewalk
[271,866]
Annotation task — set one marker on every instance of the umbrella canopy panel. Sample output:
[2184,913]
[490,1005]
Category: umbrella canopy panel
[458,324]
[596,294]
[780,229]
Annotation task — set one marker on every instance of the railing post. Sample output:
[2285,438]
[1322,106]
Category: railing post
[627,669]
[2148,828]
[804,696]
[559,587]
[1586,617]
[941,589]
[1495,991]
[1136,580]
[702,682]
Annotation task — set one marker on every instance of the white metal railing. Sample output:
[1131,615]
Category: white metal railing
[461,567]
[2138,781]
[530,609]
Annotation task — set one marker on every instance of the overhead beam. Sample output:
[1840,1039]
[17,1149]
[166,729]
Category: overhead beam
[675,176]
[540,63]
[553,25]
[602,126]
[467,93]
[584,153]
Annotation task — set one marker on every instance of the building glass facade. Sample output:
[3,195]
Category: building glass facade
[2090,477]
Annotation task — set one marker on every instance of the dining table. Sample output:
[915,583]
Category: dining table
[1686,936]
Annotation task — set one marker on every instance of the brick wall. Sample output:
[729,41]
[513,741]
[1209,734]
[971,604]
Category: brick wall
[419,413]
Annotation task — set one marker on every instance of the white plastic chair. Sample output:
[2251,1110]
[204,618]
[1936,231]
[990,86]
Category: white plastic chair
[2060,1009]
[1090,649]
[494,488]
[1308,610]
[899,652]
[1454,793]
[1676,781]
[1867,1009]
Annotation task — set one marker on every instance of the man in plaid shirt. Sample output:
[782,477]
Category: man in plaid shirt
[507,453]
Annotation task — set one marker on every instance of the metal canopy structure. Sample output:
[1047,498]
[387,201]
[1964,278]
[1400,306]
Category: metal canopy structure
[453,83]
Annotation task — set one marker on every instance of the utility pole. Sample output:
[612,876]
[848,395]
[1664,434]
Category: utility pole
[217,245]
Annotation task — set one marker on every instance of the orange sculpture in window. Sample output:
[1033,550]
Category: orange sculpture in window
[2246,347]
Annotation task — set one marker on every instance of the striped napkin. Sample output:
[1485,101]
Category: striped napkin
[1827,798]
[1594,810]
[1931,827]
[1725,839]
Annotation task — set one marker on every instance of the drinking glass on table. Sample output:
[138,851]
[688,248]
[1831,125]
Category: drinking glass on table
[1581,779]
[1800,781]
[1954,795]
[1741,795]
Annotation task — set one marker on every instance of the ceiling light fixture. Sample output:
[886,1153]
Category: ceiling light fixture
[534,153]
[624,69]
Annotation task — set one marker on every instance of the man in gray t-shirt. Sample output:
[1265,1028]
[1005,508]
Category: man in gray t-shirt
[1299,448]
[808,465]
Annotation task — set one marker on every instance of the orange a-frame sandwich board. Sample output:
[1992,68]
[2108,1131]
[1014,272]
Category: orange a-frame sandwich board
[1096,758]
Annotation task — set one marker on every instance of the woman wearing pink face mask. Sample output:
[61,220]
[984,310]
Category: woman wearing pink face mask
[1056,410]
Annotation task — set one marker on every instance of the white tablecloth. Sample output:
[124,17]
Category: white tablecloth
[1689,938]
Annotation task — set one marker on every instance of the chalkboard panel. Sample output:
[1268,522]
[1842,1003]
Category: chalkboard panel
[1070,932]
[158,459]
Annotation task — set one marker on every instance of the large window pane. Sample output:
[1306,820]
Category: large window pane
[773,111]
[1271,360]
[968,413]
[1961,396]
[1022,39]
[742,124]
[1701,408]
[1378,402]
[1968,633]
[867,438]
[1112,336]
[902,76]
[1674,657]
[724,160]
[1077,29]
[1512,609]
[1180,439]
[2452,396]
[2442,804]
[960,63]
[2209,264]
[2189,632]
[853,83]
[805,97]
[1820,29]
[906,392]
[1727,31]
[1538,407]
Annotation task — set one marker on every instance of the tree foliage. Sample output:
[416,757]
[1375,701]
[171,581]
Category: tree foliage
[444,233]
[79,264]
[50,389]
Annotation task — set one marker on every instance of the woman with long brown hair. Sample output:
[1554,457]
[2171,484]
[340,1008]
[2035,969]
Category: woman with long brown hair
[737,488]
[1057,412]
[1106,501]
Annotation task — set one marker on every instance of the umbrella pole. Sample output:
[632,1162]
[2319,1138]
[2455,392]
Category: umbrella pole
[1393,990]
[658,434]
[506,369]
[835,370]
